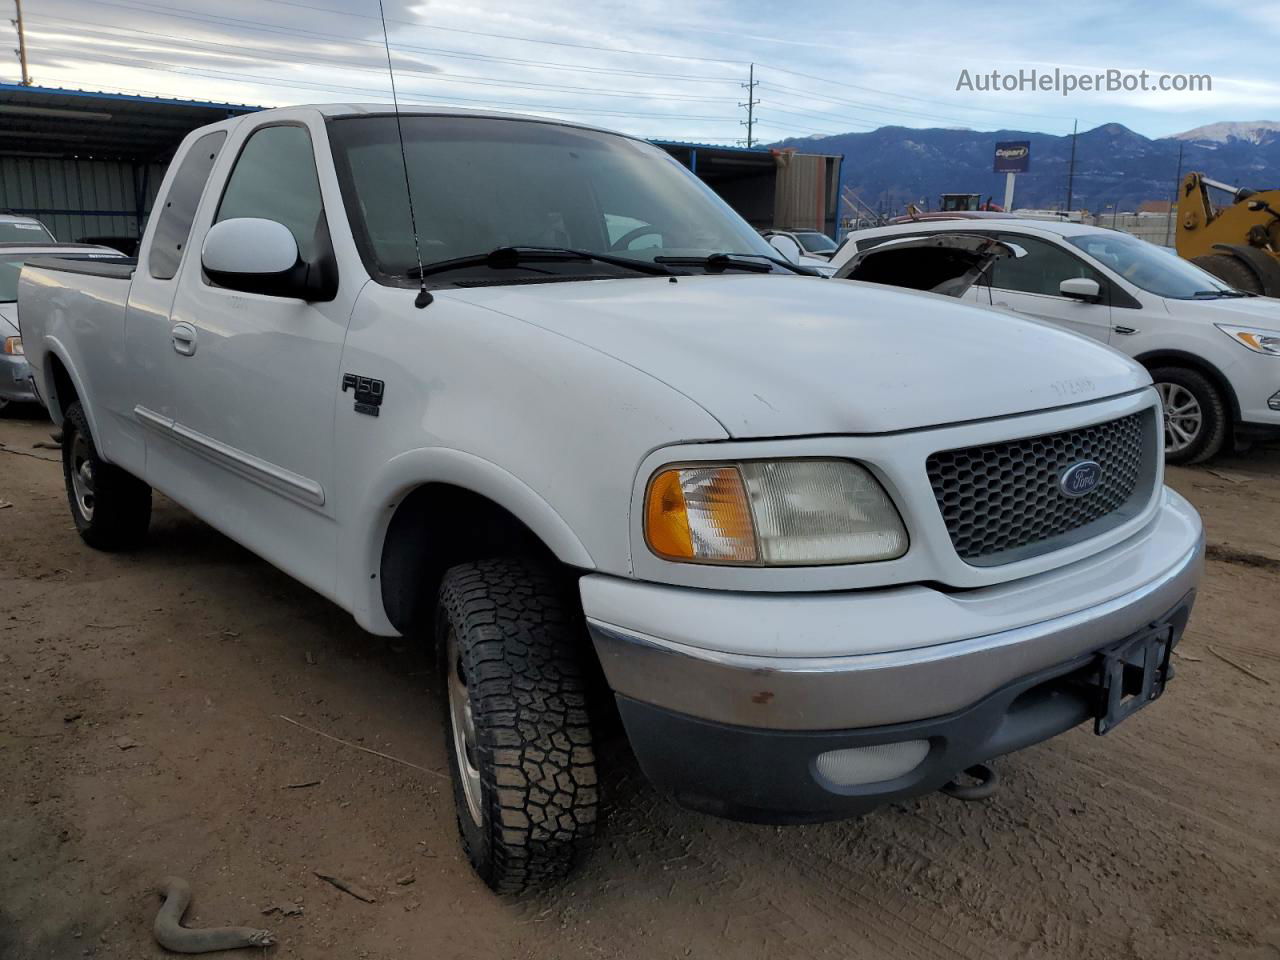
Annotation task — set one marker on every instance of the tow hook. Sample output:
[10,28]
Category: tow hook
[988,783]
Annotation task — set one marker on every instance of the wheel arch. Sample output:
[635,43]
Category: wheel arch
[1180,358]
[435,508]
[63,386]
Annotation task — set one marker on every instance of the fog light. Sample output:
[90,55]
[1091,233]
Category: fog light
[860,765]
[1273,401]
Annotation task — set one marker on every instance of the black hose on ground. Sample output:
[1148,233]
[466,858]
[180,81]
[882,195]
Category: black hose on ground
[172,935]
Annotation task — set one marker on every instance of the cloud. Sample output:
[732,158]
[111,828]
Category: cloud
[684,77]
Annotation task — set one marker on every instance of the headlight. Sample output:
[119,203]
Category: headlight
[13,346]
[1259,341]
[767,513]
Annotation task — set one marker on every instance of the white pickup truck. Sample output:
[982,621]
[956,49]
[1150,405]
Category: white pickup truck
[820,545]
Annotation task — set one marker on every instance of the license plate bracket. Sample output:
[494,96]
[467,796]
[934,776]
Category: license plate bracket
[1132,674]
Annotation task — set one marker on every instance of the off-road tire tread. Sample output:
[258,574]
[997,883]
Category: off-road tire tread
[1230,271]
[1217,418]
[122,502]
[520,639]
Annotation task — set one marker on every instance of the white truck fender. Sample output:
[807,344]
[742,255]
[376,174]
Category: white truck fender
[53,347]
[414,468]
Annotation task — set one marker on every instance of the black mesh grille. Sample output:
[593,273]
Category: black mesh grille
[1002,502]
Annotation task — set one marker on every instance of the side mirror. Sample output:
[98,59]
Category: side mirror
[255,256]
[789,249]
[1081,288]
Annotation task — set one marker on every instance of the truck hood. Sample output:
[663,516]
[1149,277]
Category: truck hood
[1242,311]
[8,319]
[772,356]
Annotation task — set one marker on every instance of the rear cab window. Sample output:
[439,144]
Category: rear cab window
[174,224]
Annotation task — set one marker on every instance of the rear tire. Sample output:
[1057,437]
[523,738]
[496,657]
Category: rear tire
[1195,415]
[1230,271]
[517,733]
[111,507]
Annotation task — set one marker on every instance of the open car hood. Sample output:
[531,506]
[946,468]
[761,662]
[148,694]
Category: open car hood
[948,263]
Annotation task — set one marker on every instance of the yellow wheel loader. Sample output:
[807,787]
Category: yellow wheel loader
[1238,243]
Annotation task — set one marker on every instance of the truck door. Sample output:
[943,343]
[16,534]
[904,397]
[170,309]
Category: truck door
[148,351]
[253,379]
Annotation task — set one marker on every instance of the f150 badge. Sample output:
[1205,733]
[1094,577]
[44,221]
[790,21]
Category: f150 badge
[368,393]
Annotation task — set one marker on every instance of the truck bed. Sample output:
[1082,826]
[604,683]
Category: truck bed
[120,268]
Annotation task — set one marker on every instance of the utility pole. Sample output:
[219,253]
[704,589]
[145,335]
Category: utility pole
[751,104]
[1173,206]
[22,44]
[1071,167]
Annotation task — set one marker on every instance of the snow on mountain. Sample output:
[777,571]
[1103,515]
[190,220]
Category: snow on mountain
[1256,131]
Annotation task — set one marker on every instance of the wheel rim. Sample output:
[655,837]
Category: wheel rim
[82,484]
[1183,418]
[464,727]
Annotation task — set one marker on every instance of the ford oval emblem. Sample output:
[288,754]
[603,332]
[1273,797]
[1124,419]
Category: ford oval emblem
[1080,478]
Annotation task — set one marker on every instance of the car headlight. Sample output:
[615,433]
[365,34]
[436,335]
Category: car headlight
[1259,341]
[767,513]
[13,346]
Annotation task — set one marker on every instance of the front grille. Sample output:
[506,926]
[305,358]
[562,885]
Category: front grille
[1002,502]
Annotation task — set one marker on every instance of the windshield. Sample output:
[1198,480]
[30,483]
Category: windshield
[24,231]
[11,266]
[1152,268]
[815,242]
[481,183]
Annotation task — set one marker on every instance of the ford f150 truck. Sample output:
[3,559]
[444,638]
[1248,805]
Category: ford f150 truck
[530,392]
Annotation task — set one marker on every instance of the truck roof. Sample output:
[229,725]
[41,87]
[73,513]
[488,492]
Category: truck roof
[410,110]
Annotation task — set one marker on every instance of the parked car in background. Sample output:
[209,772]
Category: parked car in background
[125,244]
[1213,351]
[605,454]
[19,229]
[948,264]
[15,374]
[808,248]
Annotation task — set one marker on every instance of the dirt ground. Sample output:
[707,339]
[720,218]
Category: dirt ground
[141,735]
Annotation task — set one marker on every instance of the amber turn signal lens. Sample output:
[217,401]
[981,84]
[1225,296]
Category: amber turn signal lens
[700,513]
[667,518]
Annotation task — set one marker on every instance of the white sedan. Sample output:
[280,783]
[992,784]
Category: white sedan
[1213,351]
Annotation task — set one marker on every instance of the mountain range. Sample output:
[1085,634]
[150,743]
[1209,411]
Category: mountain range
[1114,166]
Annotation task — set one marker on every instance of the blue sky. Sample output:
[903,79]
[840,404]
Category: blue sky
[675,69]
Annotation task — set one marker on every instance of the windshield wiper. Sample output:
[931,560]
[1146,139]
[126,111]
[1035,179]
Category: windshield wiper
[720,262]
[505,258]
[1216,294]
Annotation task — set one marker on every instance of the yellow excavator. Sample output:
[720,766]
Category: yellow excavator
[1238,243]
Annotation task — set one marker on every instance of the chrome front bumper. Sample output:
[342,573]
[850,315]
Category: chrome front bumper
[909,653]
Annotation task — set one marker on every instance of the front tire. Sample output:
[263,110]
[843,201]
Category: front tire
[518,734]
[1195,415]
[111,507]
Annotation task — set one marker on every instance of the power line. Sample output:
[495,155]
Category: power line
[150,8]
[827,81]
[435,51]
[863,105]
[265,80]
[473,80]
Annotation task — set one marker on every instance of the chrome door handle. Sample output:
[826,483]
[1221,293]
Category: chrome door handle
[184,338]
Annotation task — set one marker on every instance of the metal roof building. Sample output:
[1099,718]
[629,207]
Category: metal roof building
[89,164]
[769,188]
